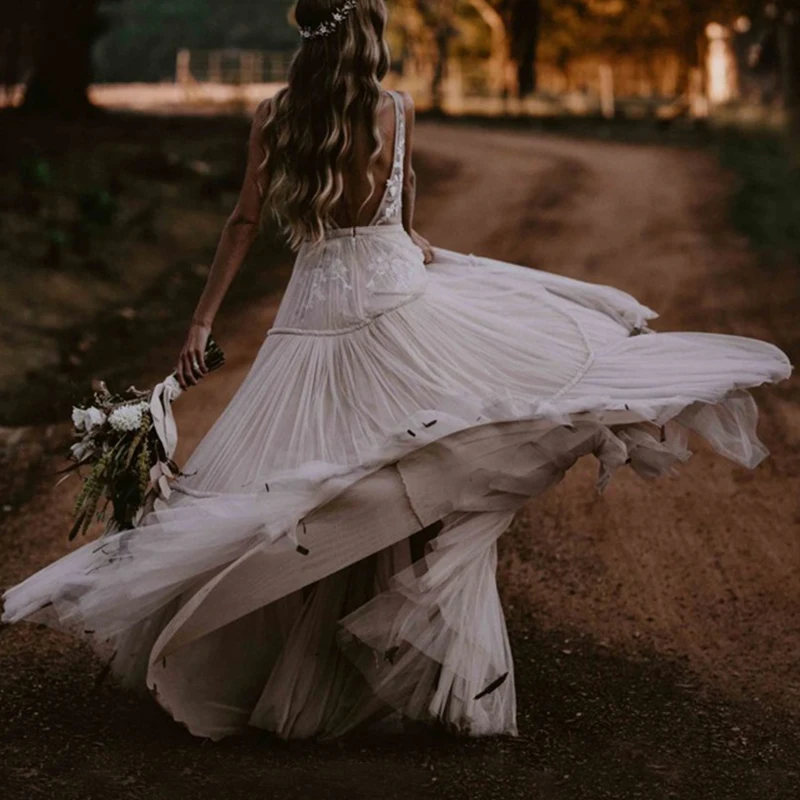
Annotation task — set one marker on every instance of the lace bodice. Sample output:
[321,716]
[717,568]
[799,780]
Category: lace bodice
[390,211]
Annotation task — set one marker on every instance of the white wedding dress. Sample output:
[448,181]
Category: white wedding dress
[280,586]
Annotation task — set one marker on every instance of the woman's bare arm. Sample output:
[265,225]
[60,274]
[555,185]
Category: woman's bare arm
[240,231]
[410,183]
[238,235]
[409,176]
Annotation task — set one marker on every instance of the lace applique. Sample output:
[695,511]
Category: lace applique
[394,186]
[323,277]
[394,197]
[389,274]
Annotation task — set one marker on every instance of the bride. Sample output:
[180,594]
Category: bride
[327,559]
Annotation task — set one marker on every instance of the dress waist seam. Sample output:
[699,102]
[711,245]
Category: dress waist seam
[363,230]
[350,328]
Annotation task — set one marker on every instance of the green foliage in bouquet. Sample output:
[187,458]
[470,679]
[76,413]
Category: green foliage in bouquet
[120,444]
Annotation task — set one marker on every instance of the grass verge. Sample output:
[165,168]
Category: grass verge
[766,203]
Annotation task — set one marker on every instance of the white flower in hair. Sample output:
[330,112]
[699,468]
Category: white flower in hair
[327,27]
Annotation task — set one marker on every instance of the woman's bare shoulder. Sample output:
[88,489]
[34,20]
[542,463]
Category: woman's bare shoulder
[408,101]
[263,109]
[409,107]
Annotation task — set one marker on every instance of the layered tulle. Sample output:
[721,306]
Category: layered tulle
[279,587]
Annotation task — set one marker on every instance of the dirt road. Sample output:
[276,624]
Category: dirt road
[656,630]
[705,565]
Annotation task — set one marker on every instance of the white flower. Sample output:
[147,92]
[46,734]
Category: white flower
[81,449]
[129,417]
[94,418]
[84,419]
[78,417]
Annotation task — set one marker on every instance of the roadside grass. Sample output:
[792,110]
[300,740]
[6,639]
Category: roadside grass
[108,229]
[765,205]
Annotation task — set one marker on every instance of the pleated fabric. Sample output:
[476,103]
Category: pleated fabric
[327,561]
[378,406]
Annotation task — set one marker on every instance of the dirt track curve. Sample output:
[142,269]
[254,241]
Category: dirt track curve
[656,629]
[703,565]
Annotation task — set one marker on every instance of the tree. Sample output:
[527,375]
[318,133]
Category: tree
[515,27]
[145,35]
[443,31]
[51,52]
[524,26]
[793,90]
[501,43]
[62,57]
[435,21]
[571,29]
[779,49]
[513,34]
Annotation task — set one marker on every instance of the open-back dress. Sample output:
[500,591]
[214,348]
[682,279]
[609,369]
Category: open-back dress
[285,584]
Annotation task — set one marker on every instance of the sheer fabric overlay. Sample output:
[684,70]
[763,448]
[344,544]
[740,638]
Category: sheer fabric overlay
[285,586]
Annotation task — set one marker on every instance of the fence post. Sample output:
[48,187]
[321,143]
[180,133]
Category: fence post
[698,102]
[258,67]
[183,72]
[607,102]
[215,67]
[245,68]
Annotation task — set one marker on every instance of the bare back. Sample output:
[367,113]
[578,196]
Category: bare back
[350,213]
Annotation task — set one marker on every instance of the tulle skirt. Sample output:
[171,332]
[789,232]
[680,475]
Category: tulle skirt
[328,559]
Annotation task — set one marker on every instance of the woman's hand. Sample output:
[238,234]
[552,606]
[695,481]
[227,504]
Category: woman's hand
[191,367]
[424,245]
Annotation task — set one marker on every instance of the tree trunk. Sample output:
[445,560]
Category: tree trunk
[16,44]
[442,38]
[62,63]
[524,29]
[500,44]
[438,18]
[792,87]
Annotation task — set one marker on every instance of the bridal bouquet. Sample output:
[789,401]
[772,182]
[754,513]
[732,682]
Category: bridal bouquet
[128,441]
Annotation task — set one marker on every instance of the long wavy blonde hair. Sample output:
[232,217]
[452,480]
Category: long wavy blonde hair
[334,84]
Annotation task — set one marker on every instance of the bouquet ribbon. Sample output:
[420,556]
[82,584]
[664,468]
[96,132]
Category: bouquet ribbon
[164,395]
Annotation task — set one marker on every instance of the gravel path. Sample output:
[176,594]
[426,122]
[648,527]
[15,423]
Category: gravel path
[656,630]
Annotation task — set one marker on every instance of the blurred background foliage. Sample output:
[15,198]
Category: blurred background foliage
[652,54]
[144,35]
[113,216]
[56,48]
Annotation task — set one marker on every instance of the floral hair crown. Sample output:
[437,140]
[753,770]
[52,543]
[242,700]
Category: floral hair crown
[327,27]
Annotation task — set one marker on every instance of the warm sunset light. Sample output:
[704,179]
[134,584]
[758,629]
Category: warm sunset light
[398,400]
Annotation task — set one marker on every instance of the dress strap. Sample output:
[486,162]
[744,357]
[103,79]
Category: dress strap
[400,132]
[393,199]
[390,210]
